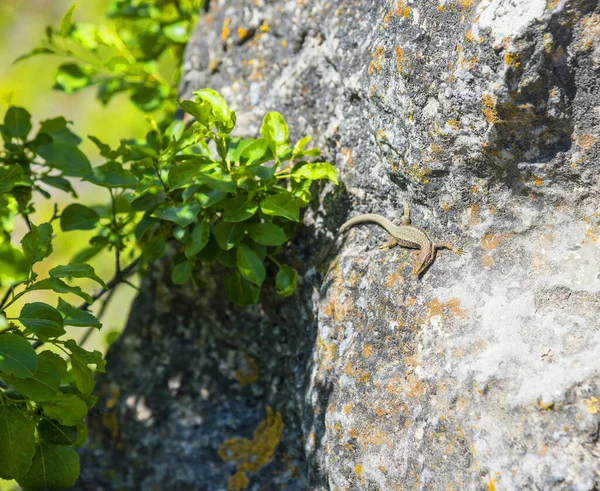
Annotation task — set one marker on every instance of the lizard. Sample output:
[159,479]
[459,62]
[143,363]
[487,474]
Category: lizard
[405,235]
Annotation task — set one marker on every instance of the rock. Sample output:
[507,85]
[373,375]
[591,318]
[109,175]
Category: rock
[483,373]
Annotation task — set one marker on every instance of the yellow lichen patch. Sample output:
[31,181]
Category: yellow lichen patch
[364,377]
[394,278]
[415,387]
[489,109]
[490,241]
[399,55]
[586,141]
[264,27]
[450,309]
[536,180]
[473,213]
[348,407]
[465,4]
[225,30]
[378,56]
[592,405]
[512,59]
[469,37]
[445,206]
[405,12]
[551,4]
[284,44]
[487,261]
[251,455]
[248,373]
[358,470]
[347,152]
[242,33]
[453,123]
[367,350]
[353,433]
[213,65]
[387,18]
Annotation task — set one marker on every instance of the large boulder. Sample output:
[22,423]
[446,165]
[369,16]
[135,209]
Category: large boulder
[482,373]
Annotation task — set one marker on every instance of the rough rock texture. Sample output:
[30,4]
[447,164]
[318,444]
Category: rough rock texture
[481,374]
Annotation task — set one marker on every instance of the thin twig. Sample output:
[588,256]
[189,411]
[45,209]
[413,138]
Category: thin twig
[101,313]
[6,295]
[117,278]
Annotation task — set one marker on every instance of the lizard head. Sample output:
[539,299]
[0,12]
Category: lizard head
[423,259]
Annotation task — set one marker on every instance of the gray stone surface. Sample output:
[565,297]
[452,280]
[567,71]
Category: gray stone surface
[483,373]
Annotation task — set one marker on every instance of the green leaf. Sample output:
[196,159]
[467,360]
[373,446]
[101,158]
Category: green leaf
[238,209]
[177,32]
[42,319]
[250,266]
[182,215]
[229,234]
[67,22]
[17,442]
[208,197]
[111,175]
[239,290]
[17,123]
[210,109]
[153,250]
[67,409]
[256,153]
[9,176]
[37,243]
[183,173]
[45,381]
[58,129]
[286,280]
[90,357]
[60,286]
[97,244]
[17,356]
[77,270]
[267,234]
[182,272]
[76,317]
[222,182]
[82,374]
[71,77]
[59,183]
[53,467]
[318,170]
[78,217]
[13,265]
[283,205]
[275,131]
[67,158]
[52,432]
[198,239]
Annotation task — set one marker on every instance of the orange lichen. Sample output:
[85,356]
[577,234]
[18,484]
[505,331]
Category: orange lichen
[347,152]
[394,278]
[489,108]
[446,310]
[536,180]
[367,350]
[487,261]
[415,386]
[358,469]
[348,407]
[469,37]
[490,241]
[473,213]
[225,31]
[586,141]
[378,56]
[251,455]
[445,206]
[399,55]
[242,33]
[465,4]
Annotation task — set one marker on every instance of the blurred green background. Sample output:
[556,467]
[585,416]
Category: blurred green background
[29,84]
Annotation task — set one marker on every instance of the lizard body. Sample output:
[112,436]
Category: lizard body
[404,235]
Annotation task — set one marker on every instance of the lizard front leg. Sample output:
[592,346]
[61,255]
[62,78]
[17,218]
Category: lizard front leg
[447,245]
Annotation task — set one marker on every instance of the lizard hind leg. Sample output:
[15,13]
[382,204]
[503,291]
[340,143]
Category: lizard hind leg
[447,245]
[406,217]
[392,242]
